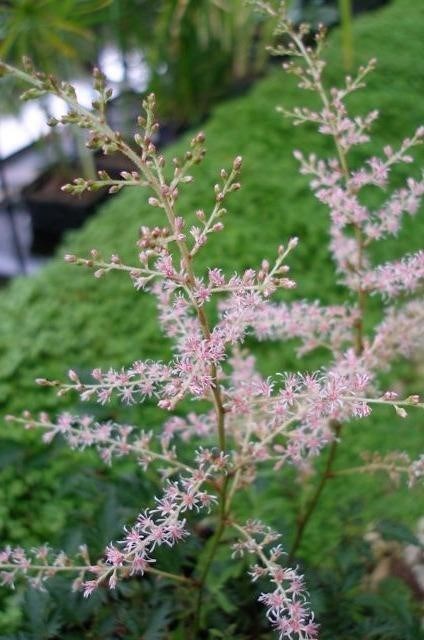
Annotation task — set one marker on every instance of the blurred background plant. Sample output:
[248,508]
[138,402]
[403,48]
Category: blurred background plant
[52,33]
[192,53]
[205,49]
[57,36]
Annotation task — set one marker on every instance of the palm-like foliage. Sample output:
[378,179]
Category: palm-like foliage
[205,46]
[47,30]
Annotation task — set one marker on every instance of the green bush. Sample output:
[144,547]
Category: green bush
[63,318]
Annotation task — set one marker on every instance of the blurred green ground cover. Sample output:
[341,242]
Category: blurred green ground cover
[63,318]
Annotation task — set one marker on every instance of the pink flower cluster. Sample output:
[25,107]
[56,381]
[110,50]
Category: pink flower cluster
[394,278]
[38,564]
[315,325]
[286,605]
[163,525]
[340,190]
[399,334]
[111,440]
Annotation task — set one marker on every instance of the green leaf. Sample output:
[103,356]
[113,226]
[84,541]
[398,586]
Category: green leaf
[158,622]
[391,530]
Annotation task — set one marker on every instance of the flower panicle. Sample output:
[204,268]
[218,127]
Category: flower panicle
[287,608]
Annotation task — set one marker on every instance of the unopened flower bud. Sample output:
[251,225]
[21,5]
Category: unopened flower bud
[238,161]
[402,413]
[154,202]
[72,375]
[390,395]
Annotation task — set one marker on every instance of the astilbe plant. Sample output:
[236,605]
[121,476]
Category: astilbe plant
[253,422]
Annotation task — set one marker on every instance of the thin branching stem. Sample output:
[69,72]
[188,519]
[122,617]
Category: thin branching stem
[326,474]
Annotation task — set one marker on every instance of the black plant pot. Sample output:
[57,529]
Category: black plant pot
[52,211]
[327,12]
[368,5]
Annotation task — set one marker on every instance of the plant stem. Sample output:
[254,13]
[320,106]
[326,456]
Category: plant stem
[313,503]
[222,524]
[345,8]
[85,157]
[86,568]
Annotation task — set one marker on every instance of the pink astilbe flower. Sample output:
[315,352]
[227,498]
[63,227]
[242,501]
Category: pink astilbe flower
[111,440]
[387,220]
[286,605]
[140,381]
[163,525]
[193,425]
[394,278]
[313,324]
[399,334]
[246,420]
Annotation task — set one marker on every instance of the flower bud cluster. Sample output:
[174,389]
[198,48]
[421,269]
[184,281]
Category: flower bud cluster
[286,605]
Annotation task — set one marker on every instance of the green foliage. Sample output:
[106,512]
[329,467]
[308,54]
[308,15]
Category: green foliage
[64,318]
[59,39]
[46,30]
[130,23]
[348,608]
[203,49]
